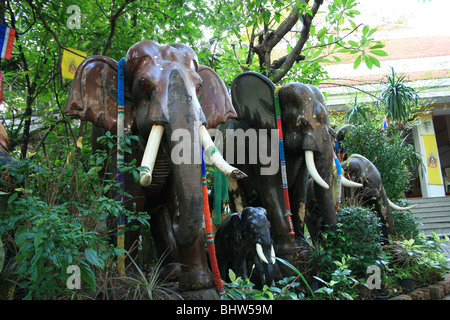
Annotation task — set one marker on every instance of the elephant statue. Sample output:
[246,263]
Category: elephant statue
[308,151]
[372,194]
[358,168]
[170,102]
[242,241]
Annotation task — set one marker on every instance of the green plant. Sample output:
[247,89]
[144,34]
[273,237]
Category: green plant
[405,225]
[342,285]
[433,261]
[53,219]
[358,234]
[285,289]
[138,285]
[398,98]
[388,151]
[357,113]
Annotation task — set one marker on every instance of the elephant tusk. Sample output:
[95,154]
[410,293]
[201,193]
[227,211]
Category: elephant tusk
[350,184]
[272,254]
[396,207]
[260,253]
[215,156]
[309,157]
[150,153]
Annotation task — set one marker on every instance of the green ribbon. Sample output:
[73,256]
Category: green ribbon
[220,194]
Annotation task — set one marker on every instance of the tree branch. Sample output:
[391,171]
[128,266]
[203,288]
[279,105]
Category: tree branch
[294,54]
[113,21]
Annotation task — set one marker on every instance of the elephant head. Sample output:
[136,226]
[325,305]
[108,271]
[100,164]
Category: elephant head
[170,101]
[305,126]
[243,240]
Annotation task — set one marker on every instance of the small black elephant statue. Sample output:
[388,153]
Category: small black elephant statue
[242,241]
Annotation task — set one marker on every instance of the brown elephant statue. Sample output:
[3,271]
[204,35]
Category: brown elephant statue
[170,102]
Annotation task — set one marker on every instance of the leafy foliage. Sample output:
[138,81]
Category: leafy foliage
[50,221]
[358,236]
[388,151]
[398,99]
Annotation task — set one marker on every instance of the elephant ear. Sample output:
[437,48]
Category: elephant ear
[214,99]
[93,96]
[252,95]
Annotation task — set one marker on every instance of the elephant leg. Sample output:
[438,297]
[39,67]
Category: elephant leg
[196,276]
[383,210]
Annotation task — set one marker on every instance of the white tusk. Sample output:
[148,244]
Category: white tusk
[216,158]
[396,207]
[260,253]
[309,157]
[150,153]
[349,183]
[272,254]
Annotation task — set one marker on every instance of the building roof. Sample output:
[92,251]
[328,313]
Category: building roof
[425,62]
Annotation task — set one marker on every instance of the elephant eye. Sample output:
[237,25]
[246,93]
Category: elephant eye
[199,86]
[147,84]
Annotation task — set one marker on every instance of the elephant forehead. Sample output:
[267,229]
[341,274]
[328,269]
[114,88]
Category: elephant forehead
[297,93]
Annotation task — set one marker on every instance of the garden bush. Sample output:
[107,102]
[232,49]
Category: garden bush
[54,214]
[405,225]
[388,151]
[358,236]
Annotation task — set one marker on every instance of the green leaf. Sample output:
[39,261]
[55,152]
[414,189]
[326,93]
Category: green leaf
[13,197]
[231,275]
[38,239]
[88,276]
[92,257]
[357,62]
[380,53]
[2,255]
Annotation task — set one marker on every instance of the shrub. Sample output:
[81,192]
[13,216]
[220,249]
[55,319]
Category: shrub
[388,152]
[53,217]
[405,225]
[358,236]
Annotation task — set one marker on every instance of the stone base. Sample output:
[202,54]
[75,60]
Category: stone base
[436,291]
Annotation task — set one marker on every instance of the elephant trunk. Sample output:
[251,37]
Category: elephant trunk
[185,118]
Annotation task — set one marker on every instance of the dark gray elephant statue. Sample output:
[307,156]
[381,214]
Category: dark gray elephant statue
[372,194]
[308,151]
[170,102]
[242,241]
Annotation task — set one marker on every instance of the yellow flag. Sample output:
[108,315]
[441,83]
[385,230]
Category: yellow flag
[432,155]
[70,61]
